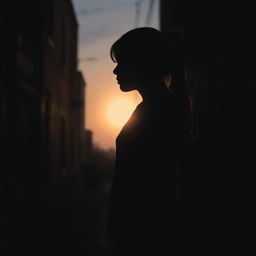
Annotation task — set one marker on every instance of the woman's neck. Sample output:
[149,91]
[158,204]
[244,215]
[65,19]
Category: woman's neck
[153,93]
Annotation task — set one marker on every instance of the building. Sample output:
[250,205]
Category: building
[42,109]
[60,77]
[216,79]
[78,124]
[88,145]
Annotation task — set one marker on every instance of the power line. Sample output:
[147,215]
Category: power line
[87,59]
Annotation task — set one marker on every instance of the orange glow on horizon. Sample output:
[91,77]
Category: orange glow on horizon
[119,111]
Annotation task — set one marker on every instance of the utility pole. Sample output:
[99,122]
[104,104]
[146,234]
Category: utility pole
[150,11]
[137,12]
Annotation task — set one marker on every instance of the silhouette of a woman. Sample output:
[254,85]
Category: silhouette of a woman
[142,200]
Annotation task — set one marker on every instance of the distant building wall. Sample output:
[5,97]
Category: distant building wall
[78,113]
[60,65]
[88,145]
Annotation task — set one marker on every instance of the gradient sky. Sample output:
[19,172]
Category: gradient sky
[101,23]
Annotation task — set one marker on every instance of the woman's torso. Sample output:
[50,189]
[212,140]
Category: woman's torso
[143,188]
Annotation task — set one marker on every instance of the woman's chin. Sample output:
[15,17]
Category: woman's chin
[126,88]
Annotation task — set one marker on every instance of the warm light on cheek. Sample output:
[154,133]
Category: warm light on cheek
[119,111]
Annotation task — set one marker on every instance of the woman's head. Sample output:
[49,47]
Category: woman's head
[144,55]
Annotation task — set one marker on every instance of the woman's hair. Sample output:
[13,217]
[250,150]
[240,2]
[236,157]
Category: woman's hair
[146,47]
[158,54]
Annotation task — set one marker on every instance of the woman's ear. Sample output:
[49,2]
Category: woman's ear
[168,81]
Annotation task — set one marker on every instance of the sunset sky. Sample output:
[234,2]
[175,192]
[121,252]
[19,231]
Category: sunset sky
[101,23]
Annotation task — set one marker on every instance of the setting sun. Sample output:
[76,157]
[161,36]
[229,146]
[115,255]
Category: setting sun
[119,111]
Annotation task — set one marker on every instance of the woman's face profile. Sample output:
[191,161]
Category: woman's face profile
[129,76]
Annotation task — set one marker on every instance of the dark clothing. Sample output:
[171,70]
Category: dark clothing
[142,209]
